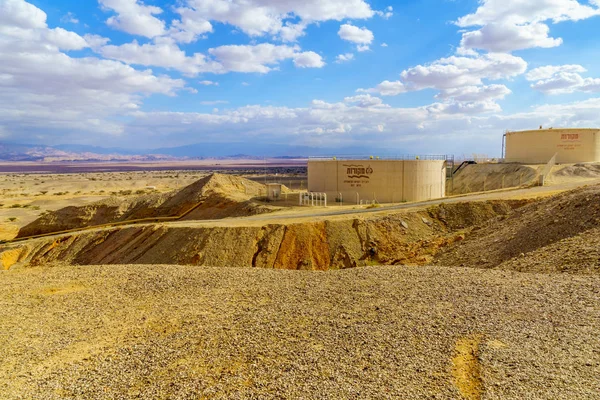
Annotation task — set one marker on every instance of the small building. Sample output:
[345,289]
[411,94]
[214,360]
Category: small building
[375,180]
[540,145]
[273,191]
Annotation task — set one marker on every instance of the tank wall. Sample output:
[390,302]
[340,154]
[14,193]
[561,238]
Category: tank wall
[385,181]
[539,146]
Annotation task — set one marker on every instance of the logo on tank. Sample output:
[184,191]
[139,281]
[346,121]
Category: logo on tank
[358,171]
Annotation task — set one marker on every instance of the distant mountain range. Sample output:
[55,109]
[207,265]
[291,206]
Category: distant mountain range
[81,153]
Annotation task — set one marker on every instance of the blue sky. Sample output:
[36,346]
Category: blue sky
[389,77]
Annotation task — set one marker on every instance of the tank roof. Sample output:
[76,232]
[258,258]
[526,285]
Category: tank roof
[545,130]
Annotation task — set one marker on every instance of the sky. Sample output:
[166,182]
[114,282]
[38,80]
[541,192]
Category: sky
[287,76]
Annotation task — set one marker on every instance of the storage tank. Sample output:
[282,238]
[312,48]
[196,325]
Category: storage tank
[382,181]
[540,145]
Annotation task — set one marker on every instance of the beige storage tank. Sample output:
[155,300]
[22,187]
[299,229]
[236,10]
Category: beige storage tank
[540,145]
[381,181]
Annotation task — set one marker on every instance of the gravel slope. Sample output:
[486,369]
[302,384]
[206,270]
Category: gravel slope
[529,238]
[177,332]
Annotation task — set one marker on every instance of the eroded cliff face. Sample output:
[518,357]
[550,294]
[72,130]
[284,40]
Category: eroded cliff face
[400,238]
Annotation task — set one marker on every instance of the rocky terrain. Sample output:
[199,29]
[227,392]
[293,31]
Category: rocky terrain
[410,237]
[508,310]
[214,196]
[556,234]
[483,177]
[184,332]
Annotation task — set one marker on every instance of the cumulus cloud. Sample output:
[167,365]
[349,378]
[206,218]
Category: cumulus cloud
[508,25]
[347,122]
[209,83]
[387,13]
[69,18]
[548,71]
[260,58]
[344,58]
[387,88]
[43,89]
[507,37]
[364,100]
[562,79]
[165,55]
[286,20]
[362,37]
[308,59]
[24,25]
[452,73]
[134,17]
[475,93]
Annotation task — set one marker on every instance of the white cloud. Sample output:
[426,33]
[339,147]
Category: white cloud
[453,72]
[165,55]
[69,18]
[508,25]
[20,14]
[209,83]
[548,71]
[95,42]
[562,79]
[291,32]
[43,89]
[246,58]
[465,108]
[387,88]
[308,59]
[284,19]
[190,26]
[348,123]
[519,12]
[475,93]
[134,17]
[362,37]
[384,45]
[260,58]
[387,13]
[507,37]
[364,100]
[344,57]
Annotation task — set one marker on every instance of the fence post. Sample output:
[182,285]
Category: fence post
[325,197]
[357,199]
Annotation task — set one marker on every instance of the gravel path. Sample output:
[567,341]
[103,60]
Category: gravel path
[176,332]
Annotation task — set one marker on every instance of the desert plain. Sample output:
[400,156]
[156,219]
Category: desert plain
[486,296]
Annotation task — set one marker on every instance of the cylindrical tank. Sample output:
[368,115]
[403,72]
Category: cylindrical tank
[382,181]
[540,145]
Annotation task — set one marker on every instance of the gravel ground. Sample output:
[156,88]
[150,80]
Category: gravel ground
[177,332]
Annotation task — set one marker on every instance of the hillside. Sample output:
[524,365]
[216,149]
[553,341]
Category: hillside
[555,234]
[215,196]
[482,177]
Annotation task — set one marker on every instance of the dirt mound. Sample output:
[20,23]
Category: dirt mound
[580,171]
[482,177]
[534,234]
[410,237]
[215,196]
